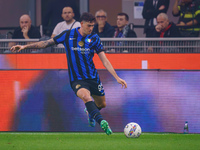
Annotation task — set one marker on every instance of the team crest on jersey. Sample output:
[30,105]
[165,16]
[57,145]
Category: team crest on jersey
[81,43]
[78,86]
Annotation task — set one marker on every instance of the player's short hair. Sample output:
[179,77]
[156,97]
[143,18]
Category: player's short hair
[87,17]
[123,14]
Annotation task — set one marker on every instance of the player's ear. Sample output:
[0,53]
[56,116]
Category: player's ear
[82,23]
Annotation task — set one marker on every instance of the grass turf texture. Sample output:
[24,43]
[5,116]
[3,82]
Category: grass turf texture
[96,141]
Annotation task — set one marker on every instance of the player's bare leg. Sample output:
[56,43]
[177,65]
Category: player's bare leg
[100,101]
[92,109]
[84,94]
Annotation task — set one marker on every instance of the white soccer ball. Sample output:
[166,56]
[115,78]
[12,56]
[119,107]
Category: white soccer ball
[132,130]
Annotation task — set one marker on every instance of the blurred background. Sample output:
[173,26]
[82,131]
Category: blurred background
[12,10]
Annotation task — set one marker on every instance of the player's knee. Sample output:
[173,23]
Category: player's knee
[86,98]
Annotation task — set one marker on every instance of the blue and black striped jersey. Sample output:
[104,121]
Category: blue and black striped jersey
[80,52]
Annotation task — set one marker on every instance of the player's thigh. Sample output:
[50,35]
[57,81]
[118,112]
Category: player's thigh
[84,94]
[100,101]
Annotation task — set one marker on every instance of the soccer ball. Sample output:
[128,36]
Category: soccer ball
[132,130]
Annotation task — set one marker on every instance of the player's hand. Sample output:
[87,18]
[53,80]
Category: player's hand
[122,82]
[17,48]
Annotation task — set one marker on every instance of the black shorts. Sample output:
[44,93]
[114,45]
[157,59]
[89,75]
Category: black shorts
[95,87]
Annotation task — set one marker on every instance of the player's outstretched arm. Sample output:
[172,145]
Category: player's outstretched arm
[37,45]
[110,68]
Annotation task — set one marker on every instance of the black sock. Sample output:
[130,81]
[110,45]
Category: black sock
[94,111]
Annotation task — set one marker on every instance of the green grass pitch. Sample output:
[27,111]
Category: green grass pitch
[96,141]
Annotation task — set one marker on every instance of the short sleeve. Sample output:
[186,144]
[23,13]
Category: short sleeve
[60,38]
[98,45]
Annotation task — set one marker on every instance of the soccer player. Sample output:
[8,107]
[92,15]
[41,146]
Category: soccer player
[80,46]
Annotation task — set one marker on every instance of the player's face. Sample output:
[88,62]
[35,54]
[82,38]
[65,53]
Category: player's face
[121,21]
[87,27]
[162,22]
[67,14]
[25,22]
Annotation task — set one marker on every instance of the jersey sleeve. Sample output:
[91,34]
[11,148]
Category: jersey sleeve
[98,45]
[60,38]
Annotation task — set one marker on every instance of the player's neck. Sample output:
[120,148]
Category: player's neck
[80,30]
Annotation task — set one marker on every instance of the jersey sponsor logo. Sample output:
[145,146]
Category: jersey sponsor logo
[81,43]
[81,50]
[72,38]
[78,86]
